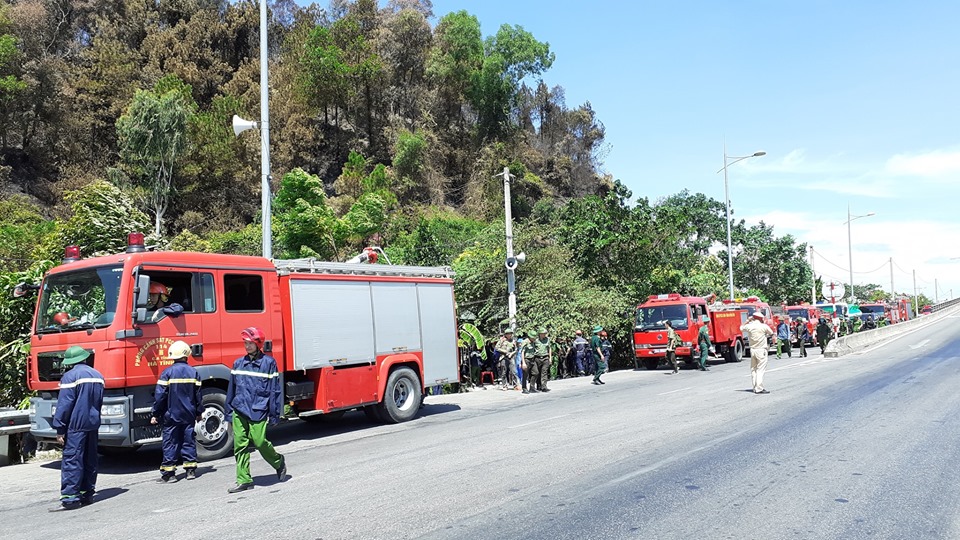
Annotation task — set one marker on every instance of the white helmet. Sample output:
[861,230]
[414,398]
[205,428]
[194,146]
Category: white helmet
[178,349]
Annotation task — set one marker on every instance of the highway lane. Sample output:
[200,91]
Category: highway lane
[855,447]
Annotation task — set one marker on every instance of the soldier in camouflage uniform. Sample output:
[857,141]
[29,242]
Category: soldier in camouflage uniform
[507,348]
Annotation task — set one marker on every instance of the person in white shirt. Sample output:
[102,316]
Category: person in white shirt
[757,333]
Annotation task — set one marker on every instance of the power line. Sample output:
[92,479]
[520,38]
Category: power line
[826,260]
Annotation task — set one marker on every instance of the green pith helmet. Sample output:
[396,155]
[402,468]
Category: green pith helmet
[542,330]
[597,329]
[75,355]
[508,331]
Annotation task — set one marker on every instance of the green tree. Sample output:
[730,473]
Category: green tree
[510,56]
[15,317]
[11,86]
[101,216]
[437,239]
[153,138]
[776,266]
[22,227]
[307,226]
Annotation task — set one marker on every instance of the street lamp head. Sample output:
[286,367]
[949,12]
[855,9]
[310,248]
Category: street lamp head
[870,214]
[758,154]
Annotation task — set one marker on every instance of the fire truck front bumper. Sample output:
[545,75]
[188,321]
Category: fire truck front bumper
[660,352]
[114,420]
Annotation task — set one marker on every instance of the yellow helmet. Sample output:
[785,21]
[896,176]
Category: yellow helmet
[178,349]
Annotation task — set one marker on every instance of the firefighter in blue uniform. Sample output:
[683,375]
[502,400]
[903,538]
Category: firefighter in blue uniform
[77,422]
[177,405]
[254,399]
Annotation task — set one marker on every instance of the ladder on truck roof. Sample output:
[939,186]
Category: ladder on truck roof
[313,266]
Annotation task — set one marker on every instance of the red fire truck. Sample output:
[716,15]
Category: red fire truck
[809,313]
[877,310]
[686,314]
[345,336]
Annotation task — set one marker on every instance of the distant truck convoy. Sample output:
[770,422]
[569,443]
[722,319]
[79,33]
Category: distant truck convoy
[345,336]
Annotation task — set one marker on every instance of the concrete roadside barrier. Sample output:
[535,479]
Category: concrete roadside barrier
[861,340]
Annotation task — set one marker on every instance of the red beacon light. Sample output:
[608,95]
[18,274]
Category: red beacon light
[71,254]
[135,243]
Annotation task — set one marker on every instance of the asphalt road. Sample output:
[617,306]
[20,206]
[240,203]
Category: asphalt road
[862,446]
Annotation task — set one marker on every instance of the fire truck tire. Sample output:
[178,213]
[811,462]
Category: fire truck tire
[214,432]
[735,353]
[651,363]
[402,396]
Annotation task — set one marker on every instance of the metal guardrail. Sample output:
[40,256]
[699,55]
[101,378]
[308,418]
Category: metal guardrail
[944,305]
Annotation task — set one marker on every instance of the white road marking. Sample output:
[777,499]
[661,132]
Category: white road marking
[537,421]
[921,344]
[674,391]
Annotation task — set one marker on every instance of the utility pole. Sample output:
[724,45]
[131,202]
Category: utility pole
[512,261]
[916,299]
[936,292]
[813,280]
[893,292]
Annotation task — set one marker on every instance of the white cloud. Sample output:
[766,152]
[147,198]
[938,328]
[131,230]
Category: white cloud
[937,163]
[840,174]
[912,244]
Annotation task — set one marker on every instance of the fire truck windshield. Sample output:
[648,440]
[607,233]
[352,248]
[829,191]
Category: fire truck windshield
[876,310]
[797,313]
[79,300]
[651,318]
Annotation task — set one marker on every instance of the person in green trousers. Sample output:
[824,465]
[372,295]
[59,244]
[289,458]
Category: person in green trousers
[597,352]
[254,399]
[703,341]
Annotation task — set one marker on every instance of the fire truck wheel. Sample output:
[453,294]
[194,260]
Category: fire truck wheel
[214,434]
[735,353]
[401,399]
[651,363]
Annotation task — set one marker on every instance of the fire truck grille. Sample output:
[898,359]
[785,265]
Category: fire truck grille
[143,433]
[50,365]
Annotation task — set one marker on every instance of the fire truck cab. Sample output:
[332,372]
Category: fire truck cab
[344,335]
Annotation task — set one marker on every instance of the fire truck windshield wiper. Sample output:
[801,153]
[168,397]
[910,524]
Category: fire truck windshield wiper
[51,329]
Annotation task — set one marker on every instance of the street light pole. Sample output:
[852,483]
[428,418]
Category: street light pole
[726,197]
[265,196]
[850,219]
[512,260]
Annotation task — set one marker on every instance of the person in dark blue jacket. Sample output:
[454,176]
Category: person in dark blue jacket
[77,421]
[254,399]
[177,405]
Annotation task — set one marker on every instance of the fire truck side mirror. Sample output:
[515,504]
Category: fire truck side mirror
[143,291]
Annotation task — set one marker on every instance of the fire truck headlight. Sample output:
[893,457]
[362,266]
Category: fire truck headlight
[688,344]
[114,410]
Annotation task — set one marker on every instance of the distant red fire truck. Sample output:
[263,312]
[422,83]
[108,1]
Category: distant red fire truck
[686,314]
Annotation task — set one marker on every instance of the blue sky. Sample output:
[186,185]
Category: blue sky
[854,102]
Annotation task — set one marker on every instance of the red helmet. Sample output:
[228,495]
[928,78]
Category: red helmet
[253,334]
[159,288]
[61,318]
